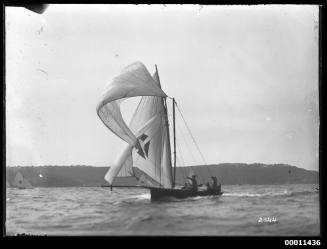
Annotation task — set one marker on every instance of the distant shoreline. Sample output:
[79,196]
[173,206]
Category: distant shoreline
[228,174]
[179,167]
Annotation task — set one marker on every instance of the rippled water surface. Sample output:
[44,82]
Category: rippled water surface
[284,209]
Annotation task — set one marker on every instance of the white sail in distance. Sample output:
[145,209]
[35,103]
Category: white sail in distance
[21,182]
[146,135]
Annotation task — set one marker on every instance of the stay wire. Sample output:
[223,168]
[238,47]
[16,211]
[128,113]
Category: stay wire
[190,151]
[189,130]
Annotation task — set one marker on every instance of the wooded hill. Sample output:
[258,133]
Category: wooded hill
[227,173]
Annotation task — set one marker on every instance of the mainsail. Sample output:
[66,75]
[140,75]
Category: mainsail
[147,137]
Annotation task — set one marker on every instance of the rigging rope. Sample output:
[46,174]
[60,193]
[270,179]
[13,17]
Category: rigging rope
[191,135]
[189,130]
[189,149]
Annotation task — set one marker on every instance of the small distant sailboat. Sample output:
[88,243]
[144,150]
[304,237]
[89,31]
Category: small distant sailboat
[147,136]
[21,182]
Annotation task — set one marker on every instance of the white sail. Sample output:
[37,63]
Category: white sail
[135,80]
[142,180]
[153,157]
[27,184]
[124,161]
[18,180]
[145,180]
[21,182]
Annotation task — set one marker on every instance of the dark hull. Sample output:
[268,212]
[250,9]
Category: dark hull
[162,193]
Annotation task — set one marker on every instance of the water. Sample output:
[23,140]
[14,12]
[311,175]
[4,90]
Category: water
[284,209]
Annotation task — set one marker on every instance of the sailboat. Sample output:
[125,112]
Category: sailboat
[147,136]
[21,182]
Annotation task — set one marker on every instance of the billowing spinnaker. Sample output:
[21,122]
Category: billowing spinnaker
[124,162]
[135,80]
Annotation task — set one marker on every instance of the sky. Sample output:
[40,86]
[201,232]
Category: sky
[244,77]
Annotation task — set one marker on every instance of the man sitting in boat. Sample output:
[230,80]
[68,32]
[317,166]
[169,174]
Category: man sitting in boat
[194,186]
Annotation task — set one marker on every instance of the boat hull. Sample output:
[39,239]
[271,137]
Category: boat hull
[162,193]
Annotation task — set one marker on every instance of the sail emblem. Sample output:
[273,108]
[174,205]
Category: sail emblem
[143,146]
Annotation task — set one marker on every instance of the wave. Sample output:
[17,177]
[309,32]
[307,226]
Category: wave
[241,194]
[305,192]
[142,197]
[271,194]
[133,199]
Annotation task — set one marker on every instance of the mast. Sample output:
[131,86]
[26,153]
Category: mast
[174,143]
[167,123]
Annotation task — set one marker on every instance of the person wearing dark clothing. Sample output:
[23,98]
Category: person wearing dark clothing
[215,185]
[194,183]
[208,186]
[215,182]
